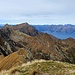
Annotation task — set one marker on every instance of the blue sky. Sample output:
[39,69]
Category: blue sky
[37,11]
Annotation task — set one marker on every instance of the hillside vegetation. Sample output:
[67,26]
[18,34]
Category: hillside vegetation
[42,67]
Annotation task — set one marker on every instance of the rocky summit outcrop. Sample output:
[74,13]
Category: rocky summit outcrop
[38,46]
[26,28]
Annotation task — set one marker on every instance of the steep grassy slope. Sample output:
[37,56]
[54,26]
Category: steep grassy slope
[1,57]
[42,67]
[14,59]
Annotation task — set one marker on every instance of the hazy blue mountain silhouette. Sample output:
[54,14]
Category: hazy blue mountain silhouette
[60,31]
[1,25]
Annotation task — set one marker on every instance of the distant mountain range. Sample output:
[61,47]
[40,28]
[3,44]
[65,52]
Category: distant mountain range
[59,31]
[1,26]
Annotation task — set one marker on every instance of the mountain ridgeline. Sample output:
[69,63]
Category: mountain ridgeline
[60,31]
[26,43]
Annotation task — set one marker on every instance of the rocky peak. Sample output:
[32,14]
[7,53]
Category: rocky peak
[6,24]
[26,28]
[7,27]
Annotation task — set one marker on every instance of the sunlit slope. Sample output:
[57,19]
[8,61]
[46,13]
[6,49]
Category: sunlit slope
[41,67]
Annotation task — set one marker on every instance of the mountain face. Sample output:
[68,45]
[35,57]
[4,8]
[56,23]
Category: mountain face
[60,31]
[37,45]
[26,28]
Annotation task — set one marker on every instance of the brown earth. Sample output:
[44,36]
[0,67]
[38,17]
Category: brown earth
[14,59]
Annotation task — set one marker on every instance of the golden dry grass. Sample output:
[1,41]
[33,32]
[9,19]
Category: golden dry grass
[1,57]
[42,67]
[13,59]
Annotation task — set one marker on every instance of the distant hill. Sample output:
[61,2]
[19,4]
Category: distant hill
[59,31]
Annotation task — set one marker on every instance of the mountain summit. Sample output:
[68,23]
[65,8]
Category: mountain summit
[26,28]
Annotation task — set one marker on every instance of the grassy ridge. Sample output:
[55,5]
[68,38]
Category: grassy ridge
[42,67]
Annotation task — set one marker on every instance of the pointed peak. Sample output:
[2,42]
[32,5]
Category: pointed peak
[26,23]
[70,38]
[23,23]
[7,26]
